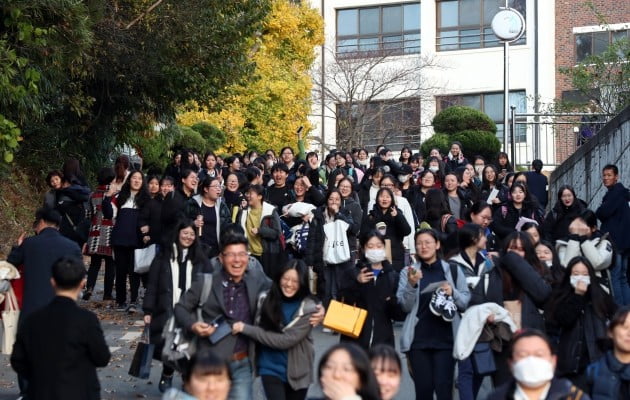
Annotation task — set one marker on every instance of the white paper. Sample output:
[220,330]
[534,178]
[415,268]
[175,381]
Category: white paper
[493,195]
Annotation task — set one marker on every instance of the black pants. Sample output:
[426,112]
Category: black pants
[277,390]
[124,267]
[432,371]
[110,273]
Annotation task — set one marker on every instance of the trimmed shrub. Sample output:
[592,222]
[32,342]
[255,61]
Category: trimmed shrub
[215,138]
[458,118]
[440,141]
[476,142]
[190,139]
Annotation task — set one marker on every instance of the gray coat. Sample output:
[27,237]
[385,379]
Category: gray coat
[185,311]
[408,299]
[296,338]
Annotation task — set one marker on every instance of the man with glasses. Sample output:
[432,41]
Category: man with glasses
[210,213]
[233,297]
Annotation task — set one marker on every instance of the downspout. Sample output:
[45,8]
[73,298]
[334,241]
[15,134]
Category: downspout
[536,83]
[323,85]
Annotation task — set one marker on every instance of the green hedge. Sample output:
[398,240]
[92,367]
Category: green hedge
[458,118]
[475,142]
[440,140]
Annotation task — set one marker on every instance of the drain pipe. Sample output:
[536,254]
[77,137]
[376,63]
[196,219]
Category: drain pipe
[536,88]
[323,85]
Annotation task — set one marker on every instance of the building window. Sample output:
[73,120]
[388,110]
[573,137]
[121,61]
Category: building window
[391,29]
[465,24]
[492,105]
[395,123]
[596,43]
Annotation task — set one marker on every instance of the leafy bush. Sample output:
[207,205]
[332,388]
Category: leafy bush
[190,139]
[475,142]
[440,141]
[214,137]
[458,118]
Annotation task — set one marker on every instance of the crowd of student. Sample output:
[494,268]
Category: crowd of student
[465,253]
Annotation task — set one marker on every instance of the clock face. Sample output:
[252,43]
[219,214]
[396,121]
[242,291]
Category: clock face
[508,25]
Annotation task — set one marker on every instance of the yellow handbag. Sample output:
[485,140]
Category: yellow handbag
[345,319]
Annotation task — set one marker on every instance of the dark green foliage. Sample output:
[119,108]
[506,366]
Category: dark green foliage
[213,136]
[481,143]
[472,128]
[459,118]
[81,79]
[439,140]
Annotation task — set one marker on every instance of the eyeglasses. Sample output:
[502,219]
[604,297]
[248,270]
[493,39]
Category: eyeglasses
[215,186]
[241,254]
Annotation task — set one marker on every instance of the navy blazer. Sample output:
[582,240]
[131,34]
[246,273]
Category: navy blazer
[38,254]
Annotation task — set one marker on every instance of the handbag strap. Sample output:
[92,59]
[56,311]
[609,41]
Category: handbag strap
[10,301]
[205,292]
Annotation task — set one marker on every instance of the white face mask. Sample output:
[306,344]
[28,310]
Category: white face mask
[577,278]
[375,255]
[403,178]
[434,169]
[532,372]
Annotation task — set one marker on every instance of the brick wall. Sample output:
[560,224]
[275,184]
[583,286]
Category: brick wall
[573,13]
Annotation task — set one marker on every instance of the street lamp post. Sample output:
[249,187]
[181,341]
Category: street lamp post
[508,25]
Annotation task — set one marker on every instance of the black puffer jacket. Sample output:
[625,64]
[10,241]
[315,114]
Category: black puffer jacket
[506,217]
[528,286]
[378,297]
[316,237]
[556,223]
[158,300]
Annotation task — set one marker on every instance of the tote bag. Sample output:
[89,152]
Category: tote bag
[336,250]
[141,363]
[143,259]
[345,319]
[10,317]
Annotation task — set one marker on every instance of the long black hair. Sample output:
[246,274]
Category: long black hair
[140,199]
[271,310]
[602,303]
[196,253]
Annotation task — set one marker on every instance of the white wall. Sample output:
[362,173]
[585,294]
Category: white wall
[472,70]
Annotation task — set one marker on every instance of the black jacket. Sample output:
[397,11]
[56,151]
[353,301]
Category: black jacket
[71,202]
[58,349]
[38,253]
[397,229]
[581,328]
[378,297]
[530,288]
[173,210]
[506,217]
[158,299]
[560,389]
[614,213]
[556,223]
[151,215]
[316,237]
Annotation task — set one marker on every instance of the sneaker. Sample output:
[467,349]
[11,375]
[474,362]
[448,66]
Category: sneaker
[438,300]
[121,307]
[326,330]
[166,382]
[132,309]
[87,294]
[450,309]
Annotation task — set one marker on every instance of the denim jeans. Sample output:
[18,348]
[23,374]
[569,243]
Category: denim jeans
[619,279]
[242,380]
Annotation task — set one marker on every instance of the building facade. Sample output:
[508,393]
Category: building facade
[450,55]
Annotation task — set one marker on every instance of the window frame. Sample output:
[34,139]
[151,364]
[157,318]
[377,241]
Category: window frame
[409,134]
[610,33]
[381,43]
[520,137]
[487,39]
